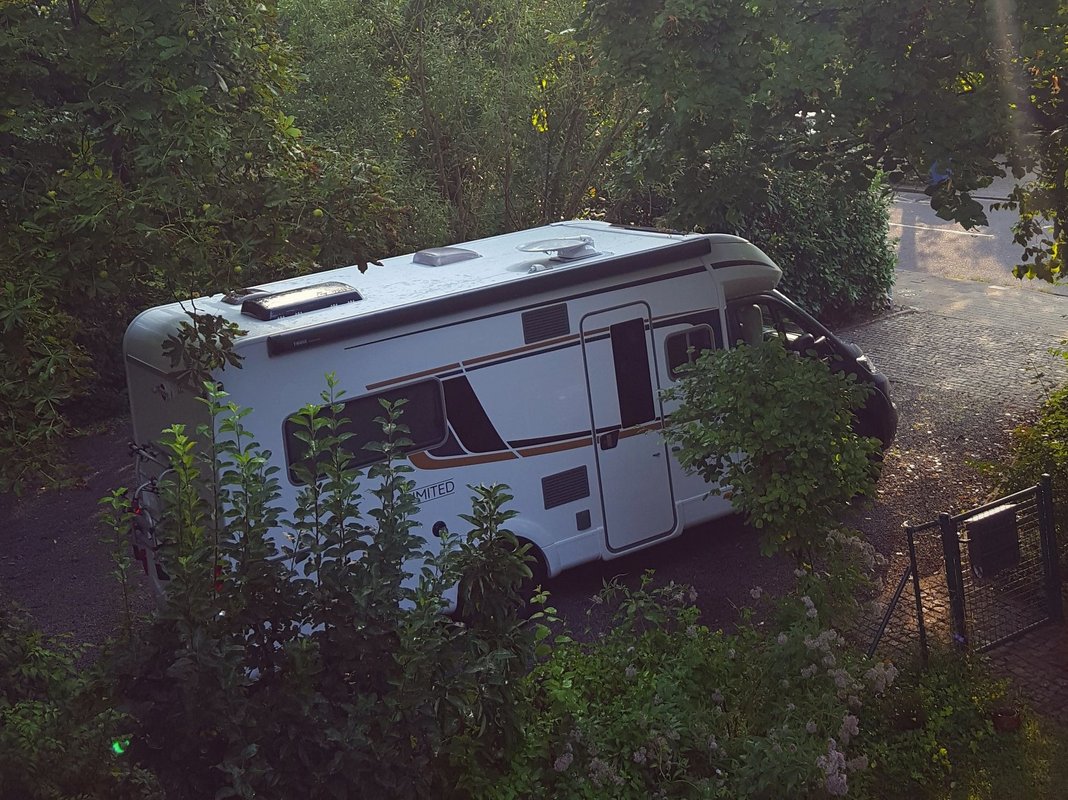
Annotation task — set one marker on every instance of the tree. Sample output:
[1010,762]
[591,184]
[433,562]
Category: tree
[496,115]
[147,155]
[936,92]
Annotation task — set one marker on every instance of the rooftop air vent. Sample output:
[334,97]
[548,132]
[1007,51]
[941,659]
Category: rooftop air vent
[299,301]
[568,248]
[440,256]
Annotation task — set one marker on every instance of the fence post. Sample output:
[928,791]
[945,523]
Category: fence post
[1051,557]
[954,579]
[916,591]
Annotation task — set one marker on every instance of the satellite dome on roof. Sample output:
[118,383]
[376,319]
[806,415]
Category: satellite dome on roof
[566,248]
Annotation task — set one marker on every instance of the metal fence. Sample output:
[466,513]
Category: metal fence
[999,578]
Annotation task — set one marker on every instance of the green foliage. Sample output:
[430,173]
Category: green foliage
[1041,448]
[117,516]
[57,725]
[935,730]
[320,663]
[39,372]
[201,347]
[775,431]
[494,116]
[833,245]
[661,706]
[146,154]
[931,93]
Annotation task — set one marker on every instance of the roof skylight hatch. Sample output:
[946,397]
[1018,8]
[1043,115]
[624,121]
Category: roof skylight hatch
[299,301]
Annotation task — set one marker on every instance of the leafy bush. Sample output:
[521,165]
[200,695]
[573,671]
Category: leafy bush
[661,706]
[320,667]
[147,155]
[830,237]
[60,736]
[1042,448]
[40,370]
[832,243]
[775,431]
[933,736]
[494,116]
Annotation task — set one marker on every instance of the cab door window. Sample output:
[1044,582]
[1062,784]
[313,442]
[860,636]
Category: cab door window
[762,319]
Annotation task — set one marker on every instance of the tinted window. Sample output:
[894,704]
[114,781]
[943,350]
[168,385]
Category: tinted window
[630,354]
[685,347]
[468,418]
[423,415]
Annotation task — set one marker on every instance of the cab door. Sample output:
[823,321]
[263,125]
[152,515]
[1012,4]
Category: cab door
[624,394]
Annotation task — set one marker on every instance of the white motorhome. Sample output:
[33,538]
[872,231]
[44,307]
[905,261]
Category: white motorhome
[534,359]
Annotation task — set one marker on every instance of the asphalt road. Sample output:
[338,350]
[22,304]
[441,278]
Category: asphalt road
[937,247]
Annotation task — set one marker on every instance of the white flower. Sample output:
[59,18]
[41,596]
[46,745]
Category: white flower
[810,727]
[782,638]
[755,592]
[850,728]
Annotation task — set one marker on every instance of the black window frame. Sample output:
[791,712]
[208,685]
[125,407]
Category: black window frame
[673,369]
[364,457]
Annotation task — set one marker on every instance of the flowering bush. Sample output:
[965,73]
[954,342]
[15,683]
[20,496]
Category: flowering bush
[662,706]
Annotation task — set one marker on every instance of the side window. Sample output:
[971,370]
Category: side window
[468,418]
[685,347]
[423,414]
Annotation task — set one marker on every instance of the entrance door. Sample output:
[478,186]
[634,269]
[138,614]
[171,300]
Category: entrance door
[632,459]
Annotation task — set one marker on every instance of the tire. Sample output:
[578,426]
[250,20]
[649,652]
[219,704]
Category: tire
[539,577]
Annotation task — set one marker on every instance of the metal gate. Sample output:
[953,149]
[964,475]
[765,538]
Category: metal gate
[1000,576]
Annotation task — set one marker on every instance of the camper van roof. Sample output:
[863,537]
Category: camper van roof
[283,308]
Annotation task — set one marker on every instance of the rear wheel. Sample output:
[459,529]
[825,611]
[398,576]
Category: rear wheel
[539,577]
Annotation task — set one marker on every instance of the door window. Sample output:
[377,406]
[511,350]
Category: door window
[630,355]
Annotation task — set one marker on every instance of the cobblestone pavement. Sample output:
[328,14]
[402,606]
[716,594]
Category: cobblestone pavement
[987,343]
[1037,664]
[967,347]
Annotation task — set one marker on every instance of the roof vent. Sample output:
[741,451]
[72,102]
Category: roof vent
[299,301]
[568,248]
[440,256]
